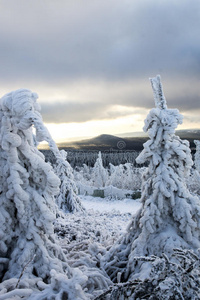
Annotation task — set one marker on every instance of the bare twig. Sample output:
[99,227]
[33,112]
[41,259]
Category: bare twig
[24,268]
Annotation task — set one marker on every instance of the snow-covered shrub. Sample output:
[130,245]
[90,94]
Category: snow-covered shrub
[28,186]
[167,281]
[67,200]
[170,216]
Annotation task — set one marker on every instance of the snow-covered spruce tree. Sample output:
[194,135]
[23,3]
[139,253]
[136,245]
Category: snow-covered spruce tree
[170,216]
[99,174]
[28,186]
[67,200]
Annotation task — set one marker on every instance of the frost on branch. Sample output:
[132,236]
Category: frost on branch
[27,189]
[168,280]
[170,216]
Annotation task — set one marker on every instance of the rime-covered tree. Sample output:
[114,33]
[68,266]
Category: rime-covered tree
[28,186]
[170,216]
[67,200]
[83,175]
[99,174]
[86,172]
[117,176]
[132,177]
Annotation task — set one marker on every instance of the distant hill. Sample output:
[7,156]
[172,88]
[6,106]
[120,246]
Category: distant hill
[106,142]
[135,142]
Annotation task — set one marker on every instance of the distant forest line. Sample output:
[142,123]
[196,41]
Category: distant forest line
[77,158]
[115,150]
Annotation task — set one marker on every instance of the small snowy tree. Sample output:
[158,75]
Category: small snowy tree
[86,172]
[67,200]
[117,176]
[111,170]
[83,175]
[128,176]
[125,176]
[99,174]
[170,216]
[132,177]
[28,186]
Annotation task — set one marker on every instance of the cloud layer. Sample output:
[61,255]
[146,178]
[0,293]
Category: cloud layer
[112,46]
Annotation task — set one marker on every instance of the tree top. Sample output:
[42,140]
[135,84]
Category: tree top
[159,97]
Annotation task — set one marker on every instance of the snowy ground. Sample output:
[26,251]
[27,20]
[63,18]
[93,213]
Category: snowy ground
[105,204]
[104,221]
[85,237]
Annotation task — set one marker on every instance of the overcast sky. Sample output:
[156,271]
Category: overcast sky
[90,60]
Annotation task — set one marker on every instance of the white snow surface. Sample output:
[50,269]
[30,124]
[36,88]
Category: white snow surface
[105,220]
[85,237]
[107,205]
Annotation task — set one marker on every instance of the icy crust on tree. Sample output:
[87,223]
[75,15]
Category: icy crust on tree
[170,215]
[28,186]
[67,199]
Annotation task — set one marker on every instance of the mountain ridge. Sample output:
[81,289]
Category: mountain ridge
[118,142]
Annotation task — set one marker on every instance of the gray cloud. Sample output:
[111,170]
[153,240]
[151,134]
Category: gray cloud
[53,43]
[72,112]
[106,39]
[67,112]
[78,112]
